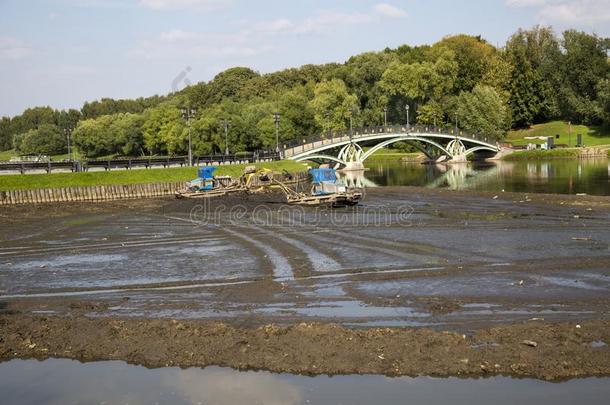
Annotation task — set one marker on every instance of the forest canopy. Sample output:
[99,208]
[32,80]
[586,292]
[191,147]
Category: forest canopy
[536,77]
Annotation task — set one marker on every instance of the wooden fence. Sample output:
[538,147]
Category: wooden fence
[90,193]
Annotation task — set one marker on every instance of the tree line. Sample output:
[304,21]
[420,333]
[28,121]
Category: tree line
[536,77]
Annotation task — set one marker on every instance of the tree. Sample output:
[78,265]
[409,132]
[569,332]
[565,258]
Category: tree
[473,55]
[127,129]
[531,54]
[47,139]
[6,134]
[333,105]
[421,82]
[431,114]
[164,130]
[585,63]
[483,112]
[603,101]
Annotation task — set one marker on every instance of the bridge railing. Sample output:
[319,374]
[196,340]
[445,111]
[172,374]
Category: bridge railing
[305,144]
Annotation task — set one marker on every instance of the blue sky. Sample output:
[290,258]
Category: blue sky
[64,52]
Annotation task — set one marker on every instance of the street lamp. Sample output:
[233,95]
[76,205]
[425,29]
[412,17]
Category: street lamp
[68,132]
[276,119]
[226,124]
[385,116]
[407,108]
[456,127]
[351,124]
[187,114]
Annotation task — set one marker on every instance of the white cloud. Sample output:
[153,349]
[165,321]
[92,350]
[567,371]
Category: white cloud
[254,38]
[13,49]
[389,10]
[328,21]
[525,3]
[588,12]
[177,35]
[200,5]
[183,44]
[571,12]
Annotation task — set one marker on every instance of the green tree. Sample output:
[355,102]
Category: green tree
[164,131]
[6,134]
[603,101]
[431,114]
[585,63]
[333,106]
[536,59]
[473,55]
[47,139]
[421,82]
[484,113]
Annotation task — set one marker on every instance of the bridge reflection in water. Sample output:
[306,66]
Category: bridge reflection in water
[455,176]
[591,176]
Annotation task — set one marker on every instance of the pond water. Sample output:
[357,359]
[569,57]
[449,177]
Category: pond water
[69,382]
[590,176]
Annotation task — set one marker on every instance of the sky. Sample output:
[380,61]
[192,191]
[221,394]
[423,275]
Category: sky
[62,53]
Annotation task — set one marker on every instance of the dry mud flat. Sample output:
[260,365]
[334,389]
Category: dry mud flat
[535,350]
[467,283]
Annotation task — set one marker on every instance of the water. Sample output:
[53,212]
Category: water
[590,176]
[69,382]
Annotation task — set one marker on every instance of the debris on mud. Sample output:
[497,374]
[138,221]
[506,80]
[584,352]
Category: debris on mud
[313,348]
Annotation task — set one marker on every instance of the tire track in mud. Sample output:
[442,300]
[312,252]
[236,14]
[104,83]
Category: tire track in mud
[283,265]
[282,269]
[29,251]
[316,257]
[214,284]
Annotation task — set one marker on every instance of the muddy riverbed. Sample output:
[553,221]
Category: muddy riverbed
[413,281]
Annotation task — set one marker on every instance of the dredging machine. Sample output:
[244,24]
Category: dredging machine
[207,185]
[326,187]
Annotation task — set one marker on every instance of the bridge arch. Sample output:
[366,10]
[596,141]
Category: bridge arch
[321,157]
[383,144]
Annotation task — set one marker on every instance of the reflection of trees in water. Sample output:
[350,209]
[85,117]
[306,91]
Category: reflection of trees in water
[558,176]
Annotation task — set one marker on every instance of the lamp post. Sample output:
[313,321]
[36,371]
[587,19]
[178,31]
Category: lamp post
[456,128]
[276,119]
[407,108]
[68,132]
[385,116]
[351,124]
[187,114]
[226,124]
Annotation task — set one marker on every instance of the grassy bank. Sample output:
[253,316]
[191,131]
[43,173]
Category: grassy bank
[591,136]
[392,154]
[543,154]
[141,176]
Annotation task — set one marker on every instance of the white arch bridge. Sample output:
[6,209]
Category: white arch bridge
[439,144]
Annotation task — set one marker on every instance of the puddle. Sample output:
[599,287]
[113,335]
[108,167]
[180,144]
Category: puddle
[343,309]
[65,381]
[598,344]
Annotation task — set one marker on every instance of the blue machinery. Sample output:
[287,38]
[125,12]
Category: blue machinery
[326,188]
